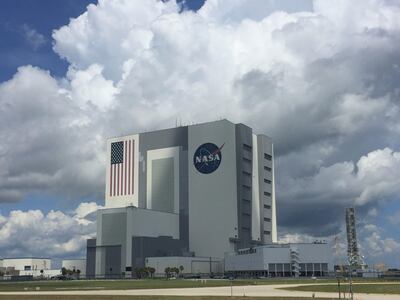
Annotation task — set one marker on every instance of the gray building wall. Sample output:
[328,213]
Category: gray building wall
[173,137]
[244,159]
[266,182]
[91,258]
[213,213]
[143,247]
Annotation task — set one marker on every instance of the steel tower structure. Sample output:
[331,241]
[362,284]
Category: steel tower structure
[352,245]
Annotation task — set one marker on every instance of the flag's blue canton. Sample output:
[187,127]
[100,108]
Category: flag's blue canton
[117,153]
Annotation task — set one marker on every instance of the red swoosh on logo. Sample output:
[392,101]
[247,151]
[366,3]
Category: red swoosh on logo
[218,150]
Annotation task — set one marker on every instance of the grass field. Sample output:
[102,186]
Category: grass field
[51,297]
[132,284]
[147,284]
[357,288]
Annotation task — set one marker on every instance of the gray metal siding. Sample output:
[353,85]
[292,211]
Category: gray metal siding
[265,148]
[113,261]
[90,258]
[173,137]
[163,184]
[244,156]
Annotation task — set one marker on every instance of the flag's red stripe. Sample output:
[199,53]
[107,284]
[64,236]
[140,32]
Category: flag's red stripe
[125,162]
[114,179]
[133,166]
[110,186]
[129,168]
[118,180]
[121,178]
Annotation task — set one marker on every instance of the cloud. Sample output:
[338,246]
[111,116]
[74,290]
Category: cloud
[55,234]
[320,78]
[33,38]
[374,178]
[395,218]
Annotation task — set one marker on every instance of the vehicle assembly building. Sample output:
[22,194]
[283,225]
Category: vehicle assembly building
[193,191]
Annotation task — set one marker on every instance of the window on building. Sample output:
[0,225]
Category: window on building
[267,181]
[267,232]
[267,156]
[267,194]
[246,173]
[247,147]
[246,187]
[267,169]
[267,219]
[246,160]
[267,206]
[27,268]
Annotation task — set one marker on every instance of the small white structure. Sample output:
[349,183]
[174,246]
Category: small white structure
[191,265]
[75,265]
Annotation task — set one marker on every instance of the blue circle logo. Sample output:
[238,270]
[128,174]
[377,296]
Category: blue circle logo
[207,158]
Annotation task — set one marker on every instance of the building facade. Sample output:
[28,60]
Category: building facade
[281,260]
[199,190]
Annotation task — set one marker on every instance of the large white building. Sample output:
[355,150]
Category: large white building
[200,190]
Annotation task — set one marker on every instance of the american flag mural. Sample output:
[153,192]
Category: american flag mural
[121,181]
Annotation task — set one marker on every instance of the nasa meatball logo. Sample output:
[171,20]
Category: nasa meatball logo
[207,158]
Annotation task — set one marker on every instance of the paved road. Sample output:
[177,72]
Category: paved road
[253,290]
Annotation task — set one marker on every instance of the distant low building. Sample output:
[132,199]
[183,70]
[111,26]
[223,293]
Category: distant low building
[27,266]
[75,265]
[281,260]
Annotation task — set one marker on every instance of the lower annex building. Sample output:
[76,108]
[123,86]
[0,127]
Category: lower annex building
[202,191]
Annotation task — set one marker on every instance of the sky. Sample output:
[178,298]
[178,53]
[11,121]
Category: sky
[320,77]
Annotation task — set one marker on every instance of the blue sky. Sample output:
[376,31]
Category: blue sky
[321,79]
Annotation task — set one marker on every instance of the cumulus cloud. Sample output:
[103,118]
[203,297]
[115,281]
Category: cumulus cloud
[55,234]
[321,78]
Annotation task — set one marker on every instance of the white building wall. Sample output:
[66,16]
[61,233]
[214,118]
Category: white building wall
[277,254]
[213,217]
[32,263]
[309,253]
[125,200]
[75,264]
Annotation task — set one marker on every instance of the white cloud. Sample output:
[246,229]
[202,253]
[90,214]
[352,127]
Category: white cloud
[34,38]
[55,234]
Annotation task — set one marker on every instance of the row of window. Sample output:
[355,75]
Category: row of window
[267,232]
[267,194]
[247,251]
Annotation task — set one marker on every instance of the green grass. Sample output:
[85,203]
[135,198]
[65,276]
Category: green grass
[357,288]
[130,284]
[68,297]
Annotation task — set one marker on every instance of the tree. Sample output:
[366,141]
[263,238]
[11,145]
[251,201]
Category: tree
[64,271]
[181,268]
[167,271]
[78,273]
[152,271]
[138,272]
